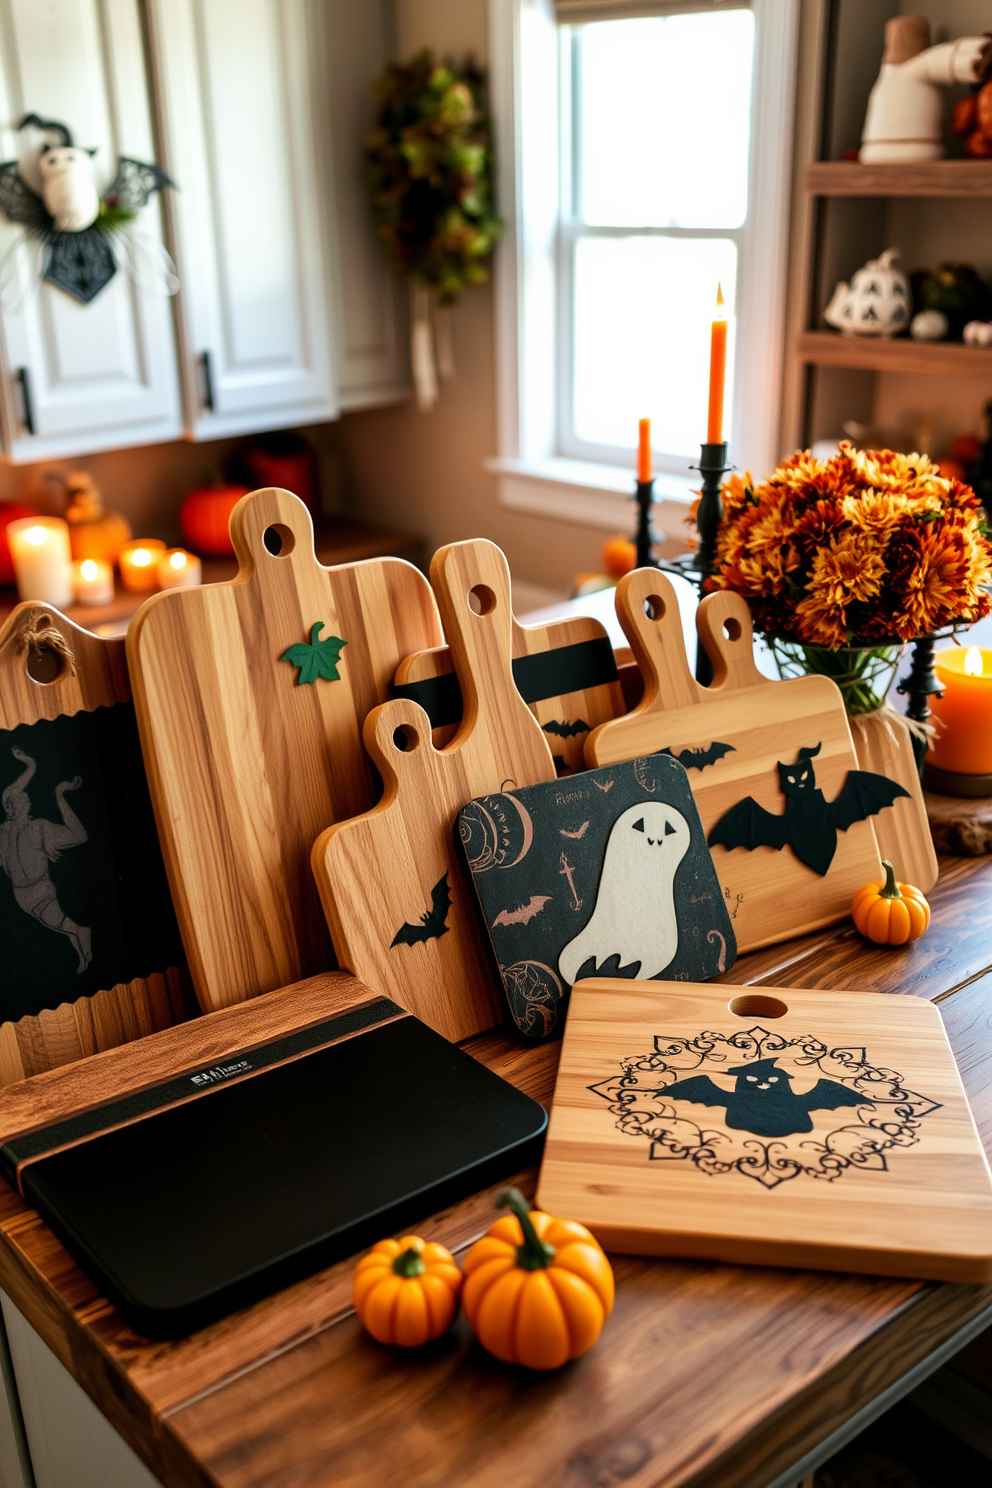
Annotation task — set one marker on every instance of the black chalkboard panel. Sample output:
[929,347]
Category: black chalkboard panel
[84,901]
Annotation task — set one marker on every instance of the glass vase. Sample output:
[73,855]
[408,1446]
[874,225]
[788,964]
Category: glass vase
[864,674]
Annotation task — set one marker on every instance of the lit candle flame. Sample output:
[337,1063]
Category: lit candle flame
[973,664]
[88,569]
[35,536]
[720,301]
[141,557]
[178,560]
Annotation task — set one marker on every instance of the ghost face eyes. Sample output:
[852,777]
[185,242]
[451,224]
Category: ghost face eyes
[654,841]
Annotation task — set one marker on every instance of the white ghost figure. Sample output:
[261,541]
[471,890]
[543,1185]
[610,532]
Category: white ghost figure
[67,187]
[635,915]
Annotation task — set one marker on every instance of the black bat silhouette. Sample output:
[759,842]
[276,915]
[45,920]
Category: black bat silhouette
[566,730]
[810,823]
[433,924]
[763,1101]
[698,759]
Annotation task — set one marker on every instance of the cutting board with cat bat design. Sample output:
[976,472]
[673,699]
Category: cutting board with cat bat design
[773,1128]
[786,810]
[604,874]
[251,696]
[393,884]
[565,671]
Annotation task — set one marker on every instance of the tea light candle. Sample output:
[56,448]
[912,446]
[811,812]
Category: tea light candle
[178,569]
[964,714]
[139,564]
[93,582]
[39,547]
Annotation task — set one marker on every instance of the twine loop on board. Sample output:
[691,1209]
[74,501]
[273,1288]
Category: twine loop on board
[892,719]
[38,634]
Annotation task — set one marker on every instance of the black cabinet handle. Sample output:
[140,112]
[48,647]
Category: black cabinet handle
[27,407]
[208,382]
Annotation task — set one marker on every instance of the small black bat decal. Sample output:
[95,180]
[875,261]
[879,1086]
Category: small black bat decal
[433,924]
[524,913]
[698,759]
[763,1101]
[566,730]
[575,836]
[810,823]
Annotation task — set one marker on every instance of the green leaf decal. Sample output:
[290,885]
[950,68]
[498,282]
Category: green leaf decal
[315,658]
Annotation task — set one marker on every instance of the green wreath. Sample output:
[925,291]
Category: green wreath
[428,162]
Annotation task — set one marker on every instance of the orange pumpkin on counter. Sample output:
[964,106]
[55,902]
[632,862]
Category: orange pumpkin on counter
[406,1292]
[204,517]
[889,913]
[94,531]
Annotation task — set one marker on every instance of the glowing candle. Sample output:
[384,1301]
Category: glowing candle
[718,371]
[93,582]
[39,547]
[643,451]
[178,569]
[964,714]
[139,564]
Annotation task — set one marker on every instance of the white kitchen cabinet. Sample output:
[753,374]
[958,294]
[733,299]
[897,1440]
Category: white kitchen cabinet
[83,377]
[243,137]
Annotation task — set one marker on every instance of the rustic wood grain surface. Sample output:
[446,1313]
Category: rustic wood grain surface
[707,1376]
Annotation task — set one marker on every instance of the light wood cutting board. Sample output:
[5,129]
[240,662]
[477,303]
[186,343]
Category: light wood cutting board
[247,760]
[393,883]
[564,670]
[745,726]
[778,1128]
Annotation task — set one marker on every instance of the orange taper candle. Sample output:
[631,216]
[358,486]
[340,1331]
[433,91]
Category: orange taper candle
[718,371]
[643,451]
[963,714]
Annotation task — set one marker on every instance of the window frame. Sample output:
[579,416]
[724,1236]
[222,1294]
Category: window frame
[538,470]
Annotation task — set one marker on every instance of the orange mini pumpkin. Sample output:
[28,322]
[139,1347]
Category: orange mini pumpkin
[537,1290]
[890,913]
[406,1291]
[204,518]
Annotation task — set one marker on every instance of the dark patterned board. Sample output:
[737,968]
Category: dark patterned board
[604,874]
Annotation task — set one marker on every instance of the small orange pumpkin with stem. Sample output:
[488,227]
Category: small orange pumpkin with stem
[406,1291]
[537,1290]
[890,913]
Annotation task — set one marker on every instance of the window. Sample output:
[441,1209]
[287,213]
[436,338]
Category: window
[644,160]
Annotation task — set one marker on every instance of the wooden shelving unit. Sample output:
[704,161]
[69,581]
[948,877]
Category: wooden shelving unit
[870,354]
[960,178]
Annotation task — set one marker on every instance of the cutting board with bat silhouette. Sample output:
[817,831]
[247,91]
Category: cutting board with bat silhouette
[778,1128]
[251,696]
[393,883]
[91,951]
[604,874]
[787,812]
[565,671]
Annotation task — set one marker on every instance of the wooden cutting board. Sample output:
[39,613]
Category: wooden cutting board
[91,950]
[784,1128]
[748,737]
[253,735]
[393,883]
[565,671]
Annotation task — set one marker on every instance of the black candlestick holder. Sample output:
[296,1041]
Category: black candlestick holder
[644,538]
[919,687]
[698,565]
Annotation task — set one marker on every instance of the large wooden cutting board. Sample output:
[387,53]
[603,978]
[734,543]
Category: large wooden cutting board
[393,882]
[732,737]
[564,670]
[779,1128]
[247,761]
[91,952]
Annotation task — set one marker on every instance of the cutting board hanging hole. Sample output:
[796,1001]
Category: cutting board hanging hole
[757,1005]
[732,629]
[279,540]
[406,739]
[654,607]
[481,600]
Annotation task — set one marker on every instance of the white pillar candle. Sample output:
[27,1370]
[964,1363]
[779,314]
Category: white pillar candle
[93,582]
[39,547]
[139,564]
[178,569]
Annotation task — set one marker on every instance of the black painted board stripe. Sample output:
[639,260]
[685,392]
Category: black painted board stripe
[548,674]
[194,1083]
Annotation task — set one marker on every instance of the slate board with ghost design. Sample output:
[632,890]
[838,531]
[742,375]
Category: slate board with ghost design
[606,873]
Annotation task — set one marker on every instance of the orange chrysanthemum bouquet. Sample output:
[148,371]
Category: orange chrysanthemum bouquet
[843,560]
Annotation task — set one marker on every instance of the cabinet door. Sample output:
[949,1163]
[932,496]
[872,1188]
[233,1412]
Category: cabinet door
[240,130]
[97,376]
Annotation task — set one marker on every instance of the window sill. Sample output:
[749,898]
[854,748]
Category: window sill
[590,495]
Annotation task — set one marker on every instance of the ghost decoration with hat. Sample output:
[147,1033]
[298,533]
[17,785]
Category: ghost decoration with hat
[81,237]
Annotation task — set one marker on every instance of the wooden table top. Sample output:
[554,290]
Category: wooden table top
[705,1374]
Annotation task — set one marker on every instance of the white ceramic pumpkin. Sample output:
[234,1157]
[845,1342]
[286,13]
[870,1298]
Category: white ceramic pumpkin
[875,303]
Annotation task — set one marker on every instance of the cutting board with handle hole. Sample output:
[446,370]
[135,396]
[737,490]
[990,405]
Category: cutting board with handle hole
[564,670]
[732,738]
[251,696]
[768,1127]
[393,883]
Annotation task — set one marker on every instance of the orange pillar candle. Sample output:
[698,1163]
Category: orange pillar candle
[964,714]
[718,371]
[139,564]
[643,451]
